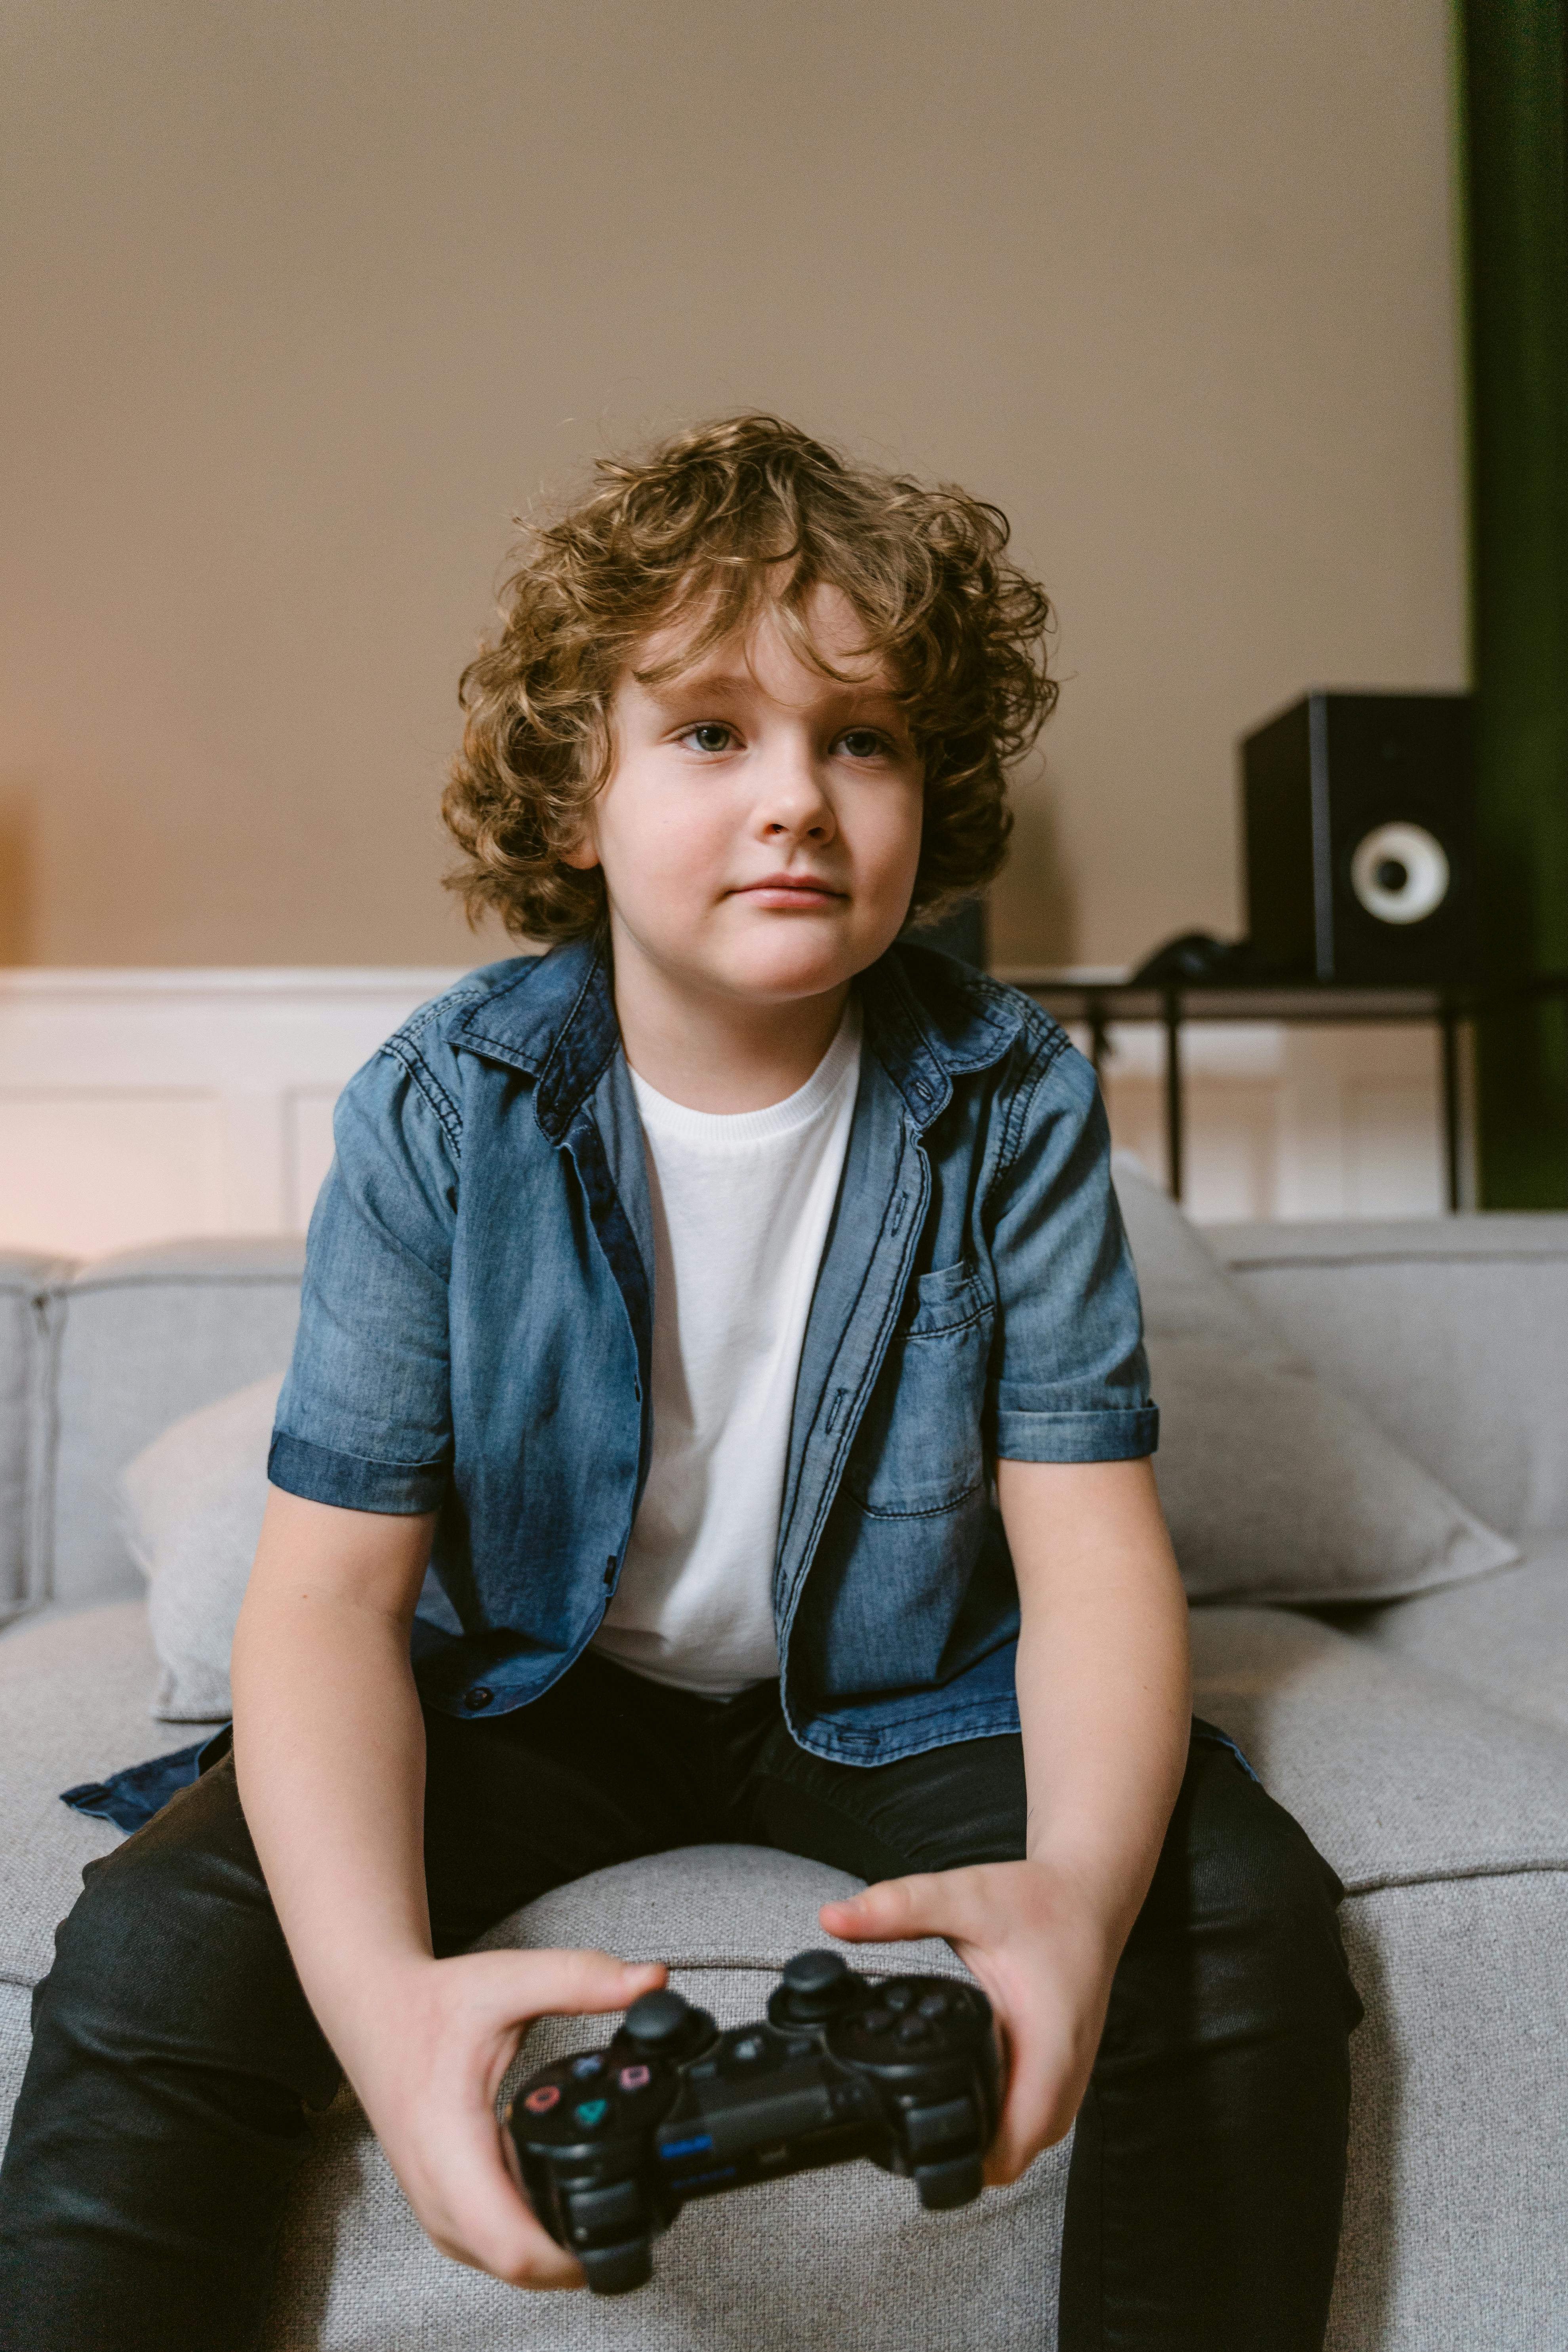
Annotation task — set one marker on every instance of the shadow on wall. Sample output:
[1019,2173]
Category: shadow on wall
[18,892]
[1034,916]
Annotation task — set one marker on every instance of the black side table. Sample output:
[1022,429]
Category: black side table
[1096,1003]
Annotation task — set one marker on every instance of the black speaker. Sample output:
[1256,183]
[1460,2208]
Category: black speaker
[1357,812]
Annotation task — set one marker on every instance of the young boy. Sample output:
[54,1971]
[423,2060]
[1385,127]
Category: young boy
[730,1309]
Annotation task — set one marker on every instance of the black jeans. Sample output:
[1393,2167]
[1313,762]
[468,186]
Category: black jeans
[176,2061]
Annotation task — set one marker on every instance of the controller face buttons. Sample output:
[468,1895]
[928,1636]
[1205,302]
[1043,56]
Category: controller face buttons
[906,2074]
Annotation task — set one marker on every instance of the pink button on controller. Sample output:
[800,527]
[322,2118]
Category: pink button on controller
[634,2078]
[540,2102]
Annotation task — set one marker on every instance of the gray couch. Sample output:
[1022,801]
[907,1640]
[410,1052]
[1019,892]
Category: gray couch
[1424,1745]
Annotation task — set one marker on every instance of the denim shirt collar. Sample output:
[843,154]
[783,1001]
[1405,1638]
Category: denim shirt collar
[556,1020]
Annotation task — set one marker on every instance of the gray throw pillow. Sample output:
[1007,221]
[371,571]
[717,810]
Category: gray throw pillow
[191,1504]
[1276,1488]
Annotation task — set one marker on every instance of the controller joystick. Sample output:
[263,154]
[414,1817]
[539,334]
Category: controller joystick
[815,1986]
[663,2025]
[612,2142]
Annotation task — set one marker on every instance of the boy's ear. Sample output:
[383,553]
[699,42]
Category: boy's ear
[583,853]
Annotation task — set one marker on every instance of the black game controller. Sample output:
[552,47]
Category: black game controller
[612,2142]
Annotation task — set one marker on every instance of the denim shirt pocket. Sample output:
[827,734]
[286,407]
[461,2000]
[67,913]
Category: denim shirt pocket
[919,1452]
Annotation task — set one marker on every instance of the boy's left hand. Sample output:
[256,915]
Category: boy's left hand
[1038,1949]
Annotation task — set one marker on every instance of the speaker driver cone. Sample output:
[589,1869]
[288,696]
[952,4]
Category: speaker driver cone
[1400,873]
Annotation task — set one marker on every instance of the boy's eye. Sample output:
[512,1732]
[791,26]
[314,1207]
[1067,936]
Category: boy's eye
[862,742]
[711,736]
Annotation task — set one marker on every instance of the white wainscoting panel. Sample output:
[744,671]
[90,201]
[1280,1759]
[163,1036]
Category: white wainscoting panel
[140,1106]
[82,1171]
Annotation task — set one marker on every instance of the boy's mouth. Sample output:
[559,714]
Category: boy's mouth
[790,890]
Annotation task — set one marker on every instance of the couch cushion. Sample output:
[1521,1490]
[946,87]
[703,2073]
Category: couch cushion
[145,1338]
[705,1906]
[74,1693]
[25,1347]
[1458,2177]
[1395,1777]
[1505,1638]
[1275,1487]
[1451,1332]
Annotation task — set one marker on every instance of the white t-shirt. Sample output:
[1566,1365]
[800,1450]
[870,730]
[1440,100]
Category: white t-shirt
[741,1204]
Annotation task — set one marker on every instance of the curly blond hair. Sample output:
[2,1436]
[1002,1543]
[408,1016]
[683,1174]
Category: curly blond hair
[716,523]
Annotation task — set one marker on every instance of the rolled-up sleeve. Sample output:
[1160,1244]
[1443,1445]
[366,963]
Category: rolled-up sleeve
[1070,1377]
[365,1418]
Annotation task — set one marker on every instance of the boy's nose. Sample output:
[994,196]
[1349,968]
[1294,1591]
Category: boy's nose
[794,801]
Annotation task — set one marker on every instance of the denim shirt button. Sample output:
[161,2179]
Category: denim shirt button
[477,1698]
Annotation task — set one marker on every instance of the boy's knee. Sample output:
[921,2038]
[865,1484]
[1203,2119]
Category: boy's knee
[173,1943]
[139,1897]
[1241,1887]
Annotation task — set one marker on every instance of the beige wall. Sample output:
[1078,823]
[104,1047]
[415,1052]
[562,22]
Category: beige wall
[302,297]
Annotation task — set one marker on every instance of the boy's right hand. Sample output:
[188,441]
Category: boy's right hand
[427,2054]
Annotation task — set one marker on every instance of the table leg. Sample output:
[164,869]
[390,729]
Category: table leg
[1096,1035]
[1448,1022]
[1174,1120]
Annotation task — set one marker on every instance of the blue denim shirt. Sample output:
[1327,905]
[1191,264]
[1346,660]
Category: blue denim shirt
[478,1321]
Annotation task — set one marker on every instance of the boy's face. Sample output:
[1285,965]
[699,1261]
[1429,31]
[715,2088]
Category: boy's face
[761,827]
